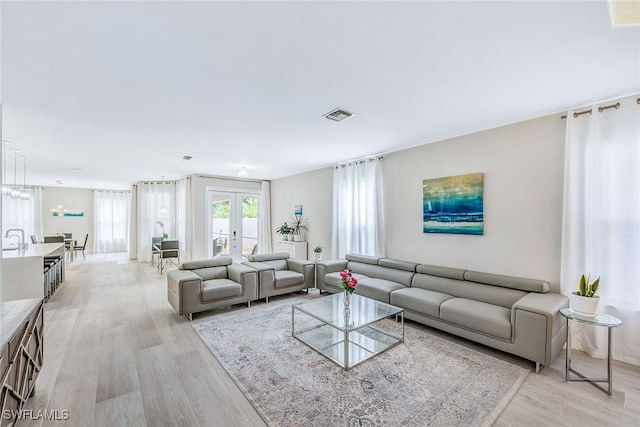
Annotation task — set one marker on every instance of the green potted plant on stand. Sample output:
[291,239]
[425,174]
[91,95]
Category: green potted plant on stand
[285,230]
[300,225]
[317,253]
[584,301]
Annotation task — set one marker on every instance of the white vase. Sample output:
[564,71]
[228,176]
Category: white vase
[317,256]
[297,238]
[585,306]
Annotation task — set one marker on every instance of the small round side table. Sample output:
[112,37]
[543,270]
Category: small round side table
[598,319]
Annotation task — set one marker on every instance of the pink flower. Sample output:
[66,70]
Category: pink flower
[348,282]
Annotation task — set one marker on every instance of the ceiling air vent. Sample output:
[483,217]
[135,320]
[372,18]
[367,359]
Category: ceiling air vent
[338,115]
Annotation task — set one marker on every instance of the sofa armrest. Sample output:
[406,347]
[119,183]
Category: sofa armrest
[305,267]
[325,267]
[246,276]
[538,327]
[183,287]
[332,265]
[548,304]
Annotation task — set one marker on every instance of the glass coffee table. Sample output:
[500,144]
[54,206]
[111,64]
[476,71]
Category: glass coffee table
[346,336]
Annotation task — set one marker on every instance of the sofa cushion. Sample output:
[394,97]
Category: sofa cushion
[211,273]
[434,270]
[334,279]
[496,295]
[527,285]
[366,259]
[277,264]
[398,265]
[268,257]
[477,316]
[399,276]
[286,278]
[378,289]
[419,300]
[217,289]
[209,262]
[436,284]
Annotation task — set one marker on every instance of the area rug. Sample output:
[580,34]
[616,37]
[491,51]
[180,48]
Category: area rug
[427,381]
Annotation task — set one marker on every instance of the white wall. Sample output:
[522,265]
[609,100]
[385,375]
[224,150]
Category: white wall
[69,198]
[312,190]
[523,179]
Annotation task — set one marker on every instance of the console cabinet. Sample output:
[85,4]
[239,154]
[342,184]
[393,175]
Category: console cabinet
[294,249]
[21,354]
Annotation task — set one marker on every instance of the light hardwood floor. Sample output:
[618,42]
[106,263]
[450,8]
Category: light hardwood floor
[116,354]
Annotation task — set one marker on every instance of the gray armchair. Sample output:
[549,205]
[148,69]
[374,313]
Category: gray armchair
[210,283]
[278,274]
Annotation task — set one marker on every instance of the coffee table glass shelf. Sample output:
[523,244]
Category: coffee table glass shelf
[346,336]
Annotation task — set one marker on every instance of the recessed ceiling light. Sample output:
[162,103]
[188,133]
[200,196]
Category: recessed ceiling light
[78,169]
[243,172]
[338,115]
[187,157]
[59,182]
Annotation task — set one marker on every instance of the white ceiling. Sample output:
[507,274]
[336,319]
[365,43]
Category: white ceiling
[123,90]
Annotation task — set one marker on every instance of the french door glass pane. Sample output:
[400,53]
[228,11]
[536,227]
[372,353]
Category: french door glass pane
[249,231]
[221,224]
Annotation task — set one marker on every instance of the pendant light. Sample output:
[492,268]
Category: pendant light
[24,192]
[15,191]
[6,189]
[163,211]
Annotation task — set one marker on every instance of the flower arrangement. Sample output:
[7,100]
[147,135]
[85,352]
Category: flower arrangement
[165,235]
[348,282]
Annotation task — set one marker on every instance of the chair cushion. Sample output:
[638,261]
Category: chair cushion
[268,257]
[378,289]
[477,316]
[208,262]
[217,289]
[287,278]
[277,264]
[420,300]
[211,273]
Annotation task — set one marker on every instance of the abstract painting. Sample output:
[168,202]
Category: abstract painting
[453,204]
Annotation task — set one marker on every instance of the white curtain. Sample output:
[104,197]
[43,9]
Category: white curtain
[358,225]
[23,214]
[601,222]
[111,221]
[151,220]
[183,217]
[264,219]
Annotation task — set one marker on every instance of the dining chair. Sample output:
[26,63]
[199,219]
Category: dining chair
[34,239]
[54,239]
[81,248]
[169,249]
[155,248]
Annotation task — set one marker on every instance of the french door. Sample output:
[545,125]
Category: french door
[233,225]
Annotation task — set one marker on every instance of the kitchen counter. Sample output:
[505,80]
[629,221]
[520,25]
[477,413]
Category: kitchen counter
[37,250]
[23,271]
[12,316]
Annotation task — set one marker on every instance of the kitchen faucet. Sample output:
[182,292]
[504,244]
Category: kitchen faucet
[23,244]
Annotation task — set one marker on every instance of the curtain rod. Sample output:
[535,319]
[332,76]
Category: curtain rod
[359,161]
[600,110]
[232,179]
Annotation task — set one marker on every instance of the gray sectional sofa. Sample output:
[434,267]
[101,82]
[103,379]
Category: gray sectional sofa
[515,315]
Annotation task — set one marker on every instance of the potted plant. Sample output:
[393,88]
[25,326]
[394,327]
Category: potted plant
[584,300]
[317,253]
[300,225]
[285,230]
